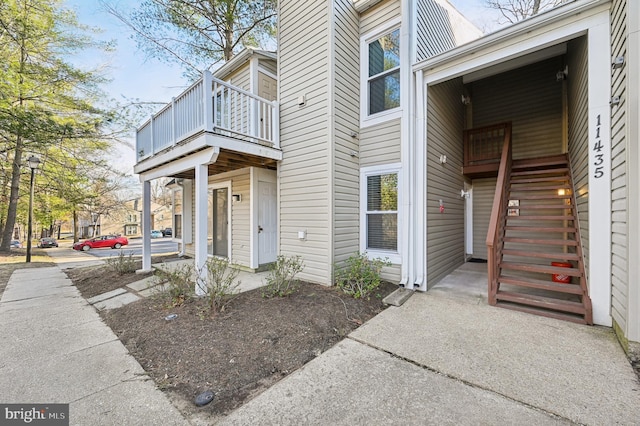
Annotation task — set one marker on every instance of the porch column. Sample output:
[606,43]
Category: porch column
[201,213]
[600,172]
[146,226]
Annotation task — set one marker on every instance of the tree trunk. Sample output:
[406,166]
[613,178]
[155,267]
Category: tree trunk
[75,226]
[536,7]
[14,194]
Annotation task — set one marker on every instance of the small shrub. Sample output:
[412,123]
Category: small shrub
[121,264]
[361,275]
[281,280]
[178,283]
[221,284]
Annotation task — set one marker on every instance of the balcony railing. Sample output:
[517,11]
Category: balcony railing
[210,105]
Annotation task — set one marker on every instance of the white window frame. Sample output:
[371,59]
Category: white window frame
[394,256]
[367,119]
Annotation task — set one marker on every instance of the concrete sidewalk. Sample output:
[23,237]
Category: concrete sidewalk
[56,349]
[441,360]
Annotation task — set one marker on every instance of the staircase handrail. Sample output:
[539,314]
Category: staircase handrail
[495,233]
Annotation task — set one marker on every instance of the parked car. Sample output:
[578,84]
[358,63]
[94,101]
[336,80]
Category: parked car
[47,242]
[15,244]
[167,232]
[156,234]
[111,241]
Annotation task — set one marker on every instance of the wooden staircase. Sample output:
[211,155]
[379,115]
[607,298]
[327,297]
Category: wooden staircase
[539,226]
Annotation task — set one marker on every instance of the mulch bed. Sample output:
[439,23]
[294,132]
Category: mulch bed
[240,352]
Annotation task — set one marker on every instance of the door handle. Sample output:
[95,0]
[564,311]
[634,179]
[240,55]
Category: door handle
[260,229]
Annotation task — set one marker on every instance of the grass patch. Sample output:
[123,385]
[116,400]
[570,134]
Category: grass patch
[15,259]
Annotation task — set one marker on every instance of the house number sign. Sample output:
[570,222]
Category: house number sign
[598,152]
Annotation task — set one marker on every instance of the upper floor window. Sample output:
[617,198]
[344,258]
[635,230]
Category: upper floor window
[381,61]
[384,72]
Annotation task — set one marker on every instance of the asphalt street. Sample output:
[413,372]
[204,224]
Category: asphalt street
[158,246]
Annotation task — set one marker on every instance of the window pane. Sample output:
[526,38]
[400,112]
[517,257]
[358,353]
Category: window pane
[384,92]
[382,192]
[384,53]
[382,231]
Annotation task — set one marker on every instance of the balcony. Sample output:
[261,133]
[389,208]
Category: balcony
[211,113]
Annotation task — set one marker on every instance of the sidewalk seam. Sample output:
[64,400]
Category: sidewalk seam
[465,382]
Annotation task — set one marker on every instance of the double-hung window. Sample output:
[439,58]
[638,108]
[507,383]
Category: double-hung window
[379,211]
[380,73]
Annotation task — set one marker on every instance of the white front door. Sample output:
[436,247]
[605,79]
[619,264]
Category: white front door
[267,222]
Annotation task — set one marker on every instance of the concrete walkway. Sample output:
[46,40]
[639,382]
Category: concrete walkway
[56,349]
[440,360]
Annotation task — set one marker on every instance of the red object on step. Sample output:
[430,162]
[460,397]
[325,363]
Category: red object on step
[561,278]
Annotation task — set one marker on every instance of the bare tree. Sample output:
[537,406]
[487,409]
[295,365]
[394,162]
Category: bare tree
[513,11]
[198,33]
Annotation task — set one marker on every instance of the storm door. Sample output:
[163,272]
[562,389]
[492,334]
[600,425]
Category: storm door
[218,229]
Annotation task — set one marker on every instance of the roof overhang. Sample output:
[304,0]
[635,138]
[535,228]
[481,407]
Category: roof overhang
[524,38]
[240,59]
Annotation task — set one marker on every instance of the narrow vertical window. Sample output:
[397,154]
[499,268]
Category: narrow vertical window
[382,212]
[384,72]
[177,213]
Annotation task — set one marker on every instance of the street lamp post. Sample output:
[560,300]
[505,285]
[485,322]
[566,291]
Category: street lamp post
[33,162]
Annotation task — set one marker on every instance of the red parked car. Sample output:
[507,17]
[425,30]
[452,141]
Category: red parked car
[111,241]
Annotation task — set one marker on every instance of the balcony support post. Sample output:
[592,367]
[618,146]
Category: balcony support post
[208,101]
[201,231]
[146,226]
[275,125]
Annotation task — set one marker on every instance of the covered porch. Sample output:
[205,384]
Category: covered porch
[220,144]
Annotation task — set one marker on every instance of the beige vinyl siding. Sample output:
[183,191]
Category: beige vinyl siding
[378,15]
[445,231]
[304,184]
[239,78]
[269,65]
[483,193]
[531,99]
[346,121]
[380,144]
[578,129]
[619,187]
[434,30]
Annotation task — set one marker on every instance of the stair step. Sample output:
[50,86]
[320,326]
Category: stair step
[541,217]
[542,302]
[542,312]
[543,269]
[560,171]
[526,180]
[557,160]
[541,241]
[540,255]
[543,206]
[542,197]
[541,284]
[539,188]
[539,229]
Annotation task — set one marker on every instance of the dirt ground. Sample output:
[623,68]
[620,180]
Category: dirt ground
[236,354]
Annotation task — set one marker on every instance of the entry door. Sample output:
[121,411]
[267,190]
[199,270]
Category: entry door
[267,223]
[219,222]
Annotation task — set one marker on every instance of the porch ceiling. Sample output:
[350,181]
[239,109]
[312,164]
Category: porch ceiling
[230,160]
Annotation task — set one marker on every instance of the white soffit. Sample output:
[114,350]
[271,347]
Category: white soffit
[540,55]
